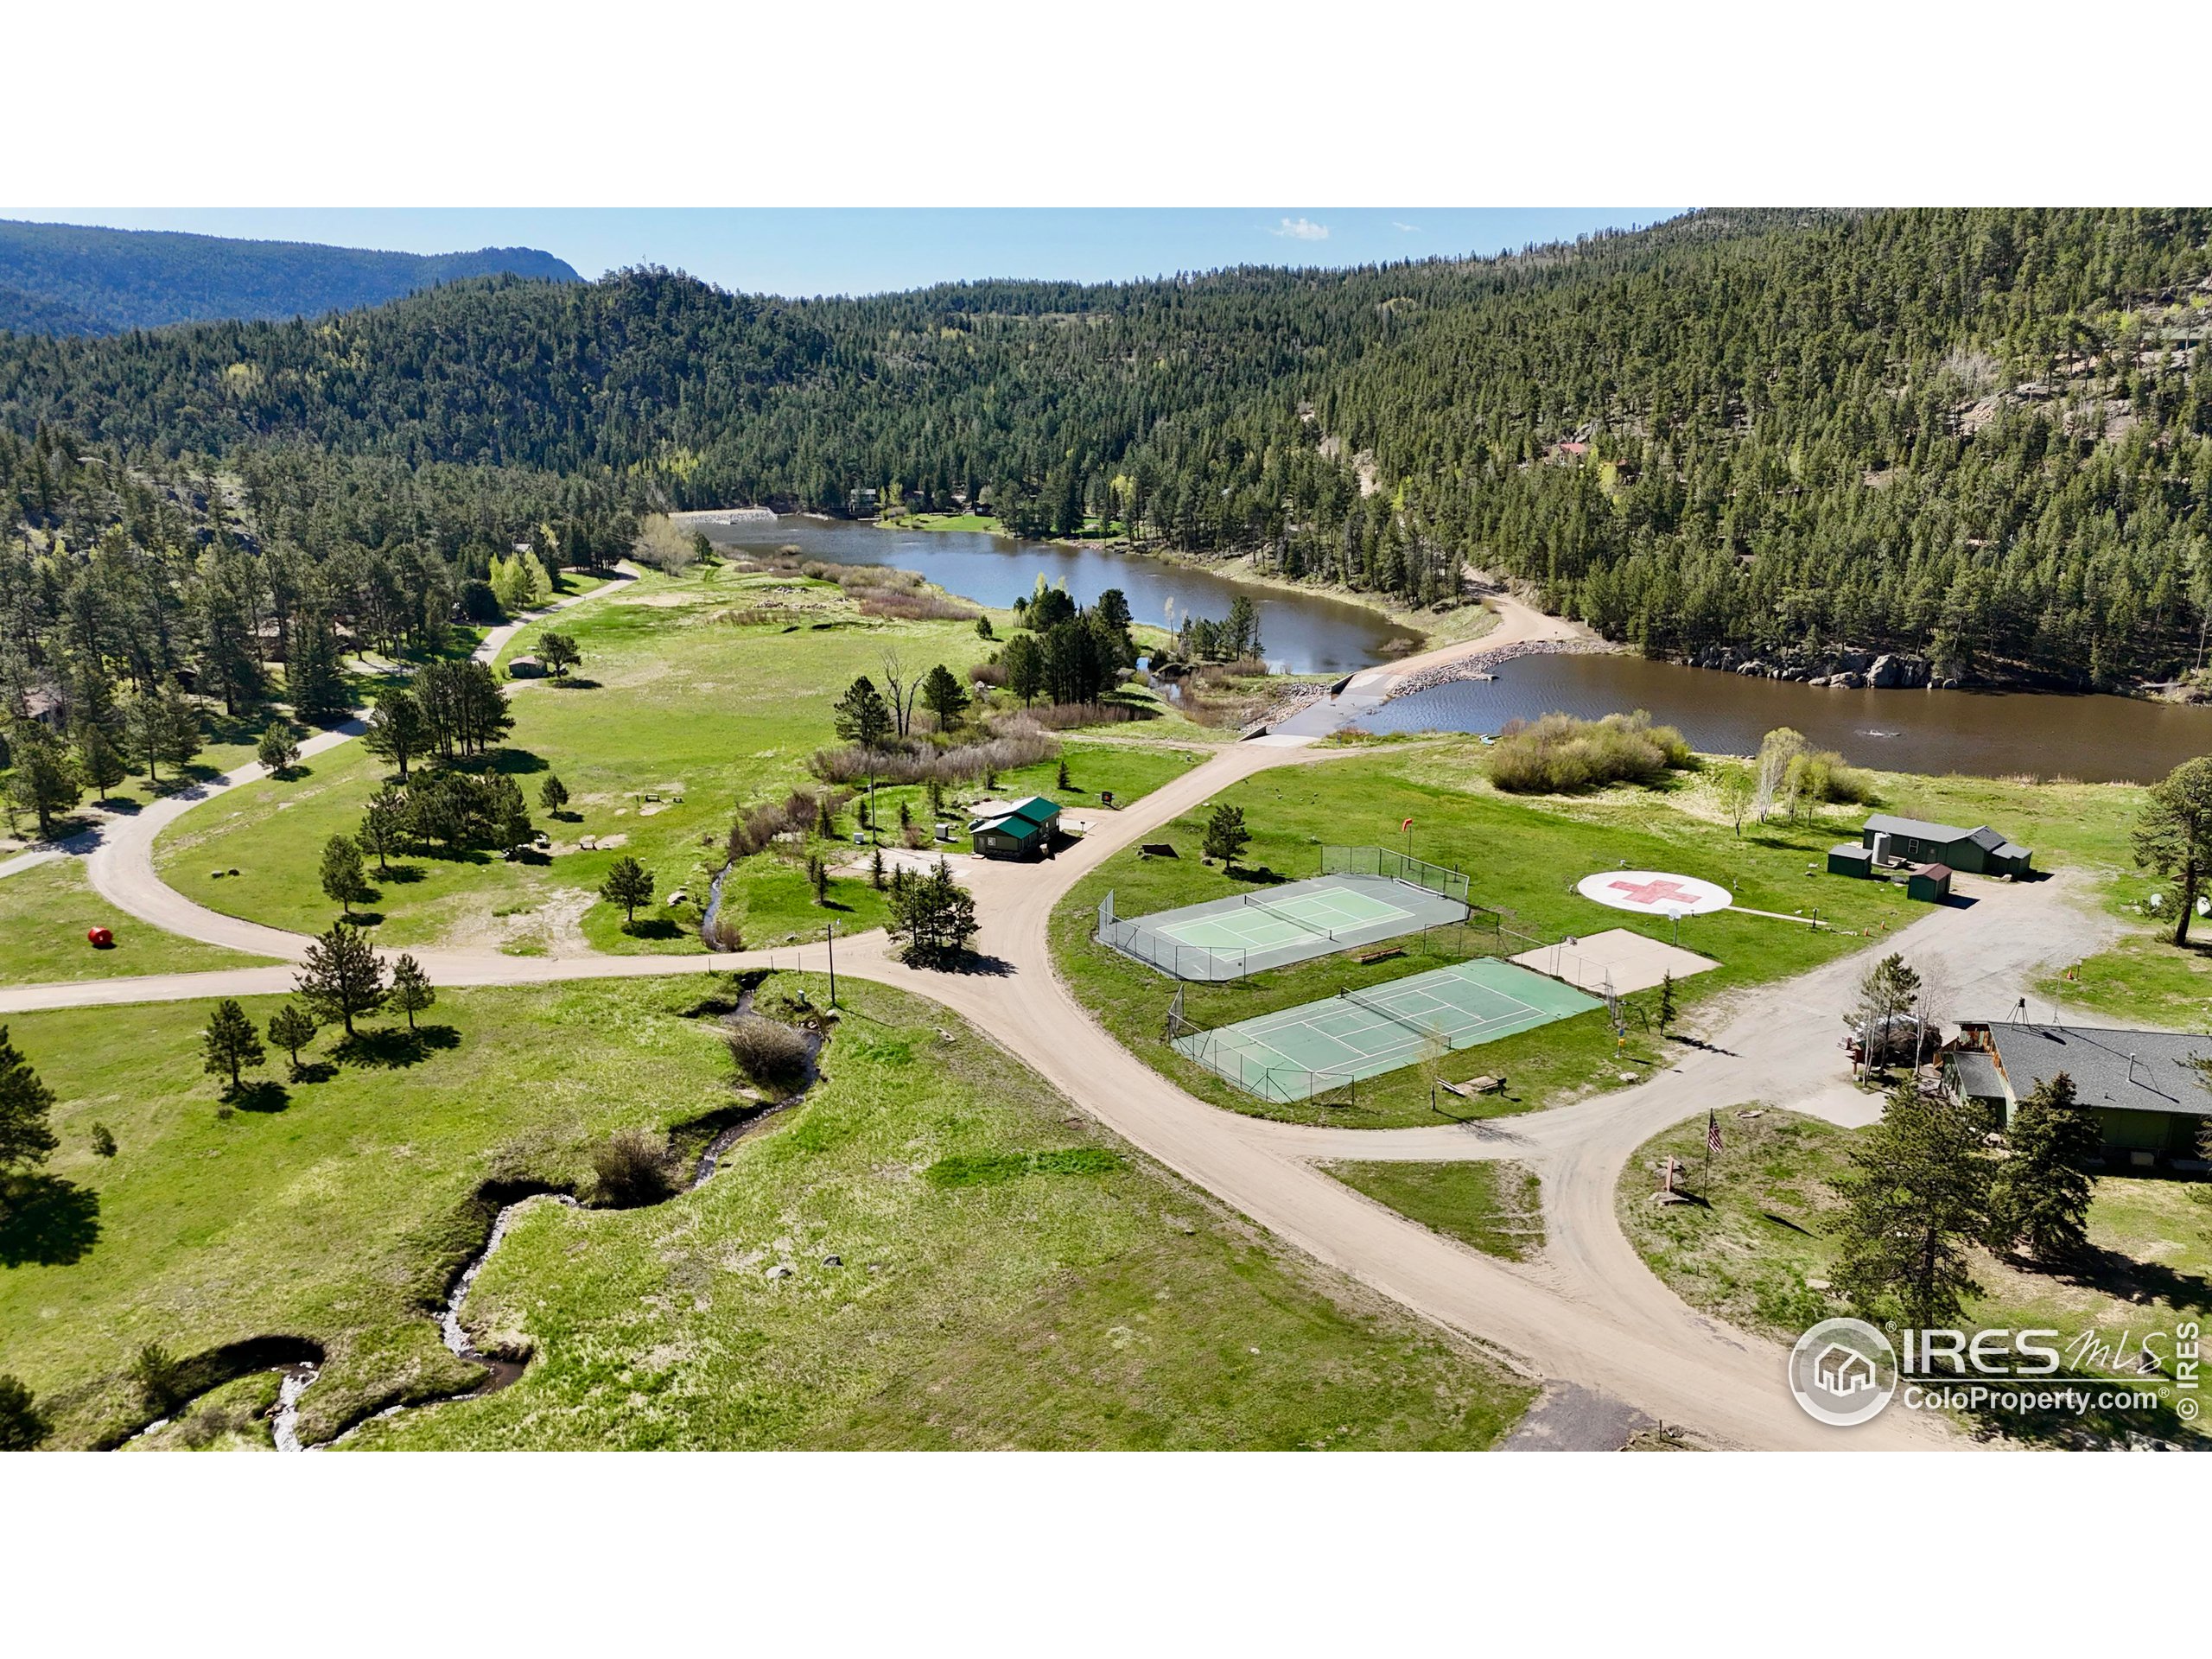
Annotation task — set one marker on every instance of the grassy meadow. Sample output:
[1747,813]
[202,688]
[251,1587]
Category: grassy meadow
[1009,1275]
[45,912]
[1757,1234]
[694,695]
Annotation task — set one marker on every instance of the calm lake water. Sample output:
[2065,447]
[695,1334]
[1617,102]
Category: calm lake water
[1300,633]
[2097,739]
[1985,734]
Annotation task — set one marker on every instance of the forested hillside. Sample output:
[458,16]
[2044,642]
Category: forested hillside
[81,279]
[1977,433]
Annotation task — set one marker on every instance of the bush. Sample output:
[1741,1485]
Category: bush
[1827,776]
[632,1167]
[1559,754]
[771,1054]
[663,547]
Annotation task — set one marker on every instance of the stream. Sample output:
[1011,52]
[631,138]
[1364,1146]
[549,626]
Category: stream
[500,1372]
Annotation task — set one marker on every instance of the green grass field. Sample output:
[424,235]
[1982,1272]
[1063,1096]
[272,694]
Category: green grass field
[45,912]
[1523,855]
[1011,1276]
[1489,1204]
[686,695]
[1761,1227]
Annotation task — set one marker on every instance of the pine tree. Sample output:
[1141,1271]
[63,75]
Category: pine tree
[1887,992]
[1666,1002]
[292,1028]
[1916,1199]
[340,978]
[342,875]
[397,729]
[24,1428]
[230,1043]
[2173,837]
[101,763]
[278,750]
[2042,1188]
[26,1138]
[628,884]
[386,822]
[1226,835]
[552,795]
[45,781]
[862,717]
[944,696]
[411,991]
[934,914]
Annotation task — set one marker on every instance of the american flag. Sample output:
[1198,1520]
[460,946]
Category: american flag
[1712,1130]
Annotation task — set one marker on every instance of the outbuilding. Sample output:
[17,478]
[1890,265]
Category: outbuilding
[1014,829]
[1930,884]
[525,668]
[1980,851]
[1850,859]
[2146,1087]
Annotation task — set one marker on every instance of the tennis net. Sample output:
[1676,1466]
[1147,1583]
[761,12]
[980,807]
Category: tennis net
[1390,1013]
[1285,916]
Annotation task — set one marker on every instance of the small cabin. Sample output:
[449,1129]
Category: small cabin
[525,668]
[1014,829]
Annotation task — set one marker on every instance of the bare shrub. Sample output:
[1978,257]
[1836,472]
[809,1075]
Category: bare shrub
[1065,716]
[1008,744]
[1559,754]
[767,1051]
[915,608]
[991,674]
[632,1167]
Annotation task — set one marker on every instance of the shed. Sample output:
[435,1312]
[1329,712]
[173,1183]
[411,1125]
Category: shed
[1850,859]
[525,668]
[1015,829]
[1980,851]
[1930,884]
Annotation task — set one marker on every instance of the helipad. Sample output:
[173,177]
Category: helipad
[1653,893]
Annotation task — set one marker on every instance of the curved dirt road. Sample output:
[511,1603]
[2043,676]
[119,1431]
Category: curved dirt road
[1587,1311]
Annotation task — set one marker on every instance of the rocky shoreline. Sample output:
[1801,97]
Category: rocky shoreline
[1851,671]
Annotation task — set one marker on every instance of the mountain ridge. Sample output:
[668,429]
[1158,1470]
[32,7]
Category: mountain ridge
[92,279]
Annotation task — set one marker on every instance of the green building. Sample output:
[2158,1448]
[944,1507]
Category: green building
[1014,829]
[1981,851]
[2145,1086]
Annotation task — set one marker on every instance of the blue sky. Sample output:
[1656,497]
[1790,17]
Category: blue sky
[859,251]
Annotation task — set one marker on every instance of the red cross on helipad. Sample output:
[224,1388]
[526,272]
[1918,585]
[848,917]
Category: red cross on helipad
[1651,892]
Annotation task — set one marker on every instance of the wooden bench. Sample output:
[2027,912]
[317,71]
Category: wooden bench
[1383,955]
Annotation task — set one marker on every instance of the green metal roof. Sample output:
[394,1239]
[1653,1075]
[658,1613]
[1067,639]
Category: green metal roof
[1023,819]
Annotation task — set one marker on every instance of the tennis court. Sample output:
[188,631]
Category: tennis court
[1229,938]
[1296,1052]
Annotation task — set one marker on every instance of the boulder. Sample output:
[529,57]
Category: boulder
[1850,681]
[1886,674]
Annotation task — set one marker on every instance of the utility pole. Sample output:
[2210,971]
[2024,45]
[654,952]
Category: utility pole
[833,964]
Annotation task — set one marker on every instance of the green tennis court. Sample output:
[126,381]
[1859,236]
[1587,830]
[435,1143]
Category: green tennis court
[1291,1053]
[1262,924]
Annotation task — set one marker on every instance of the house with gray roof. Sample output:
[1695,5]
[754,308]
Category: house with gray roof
[1978,851]
[2146,1087]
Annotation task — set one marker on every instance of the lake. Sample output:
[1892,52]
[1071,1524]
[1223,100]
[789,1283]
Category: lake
[1300,633]
[1987,733]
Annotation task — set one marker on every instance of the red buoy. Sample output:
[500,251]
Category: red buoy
[101,937]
